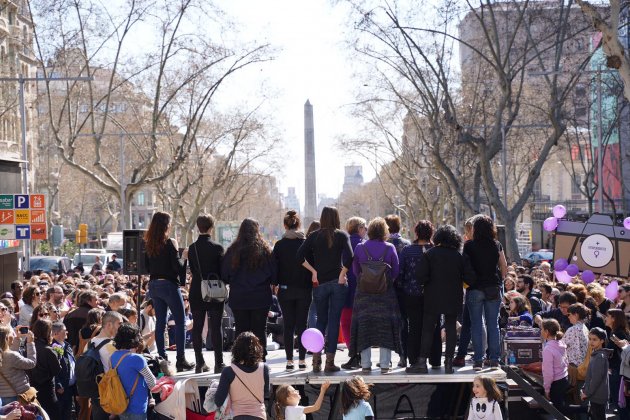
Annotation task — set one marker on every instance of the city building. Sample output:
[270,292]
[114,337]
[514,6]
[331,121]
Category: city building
[353,177]
[291,200]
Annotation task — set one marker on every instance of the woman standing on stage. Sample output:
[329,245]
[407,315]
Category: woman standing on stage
[249,269]
[294,286]
[330,251]
[167,273]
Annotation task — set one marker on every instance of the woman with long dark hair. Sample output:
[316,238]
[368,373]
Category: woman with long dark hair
[249,269]
[483,297]
[294,286]
[167,273]
[327,254]
[47,367]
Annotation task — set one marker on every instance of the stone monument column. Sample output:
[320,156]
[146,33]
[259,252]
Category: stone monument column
[310,204]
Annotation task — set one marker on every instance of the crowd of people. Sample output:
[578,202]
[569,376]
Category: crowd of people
[366,281]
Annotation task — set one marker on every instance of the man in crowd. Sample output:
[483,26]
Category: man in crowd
[147,324]
[113,265]
[66,379]
[110,323]
[116,302]
[561,313]
[525,286]
[17,288]
[75,319]
[56,296]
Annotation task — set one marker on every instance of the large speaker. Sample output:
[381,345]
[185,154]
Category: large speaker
[133,252]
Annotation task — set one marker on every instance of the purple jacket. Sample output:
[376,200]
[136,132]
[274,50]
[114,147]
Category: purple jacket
[355,239]
[555,364]
[375,249]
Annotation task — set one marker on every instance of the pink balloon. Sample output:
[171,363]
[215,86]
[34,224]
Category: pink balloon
[559,211]
[588,276]
[626,223]
[313,340]
[561,264]
[550,224]
[612,290]
[563,276]
[572,270]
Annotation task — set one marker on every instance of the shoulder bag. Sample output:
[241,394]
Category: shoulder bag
[213,289]
[25,398]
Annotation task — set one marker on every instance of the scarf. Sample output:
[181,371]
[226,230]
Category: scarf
[294,234]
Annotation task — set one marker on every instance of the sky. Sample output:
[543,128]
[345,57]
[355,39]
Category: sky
[312,62]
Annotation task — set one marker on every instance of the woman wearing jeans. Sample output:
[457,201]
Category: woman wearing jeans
[327,254]
[167,272]
[483,298]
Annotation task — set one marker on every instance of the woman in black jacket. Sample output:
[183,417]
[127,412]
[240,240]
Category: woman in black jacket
[294,286]
[205,257]
[167,272]
[249,269]
[42,377]
[442,271]
[327,254]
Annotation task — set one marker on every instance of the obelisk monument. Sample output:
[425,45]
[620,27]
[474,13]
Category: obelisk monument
[310,202]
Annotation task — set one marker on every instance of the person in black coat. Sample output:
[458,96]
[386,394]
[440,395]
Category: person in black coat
[442,271]
[42,376]
[205,258]
[66,379]
[294,287]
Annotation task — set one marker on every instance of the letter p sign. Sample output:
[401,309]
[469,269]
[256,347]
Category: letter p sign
[21,201]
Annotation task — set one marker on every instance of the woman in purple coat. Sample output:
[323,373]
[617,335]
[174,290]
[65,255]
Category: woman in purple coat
[375,318]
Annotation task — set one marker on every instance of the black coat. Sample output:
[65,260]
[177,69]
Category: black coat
[62,380]
[42,376]
[205,255]
[443,271]
[294,280]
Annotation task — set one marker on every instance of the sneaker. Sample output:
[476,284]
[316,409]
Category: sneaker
[459,361]
[478,366]
[366,370]
[494,364]
[402,363]
[385,371]
[486,362]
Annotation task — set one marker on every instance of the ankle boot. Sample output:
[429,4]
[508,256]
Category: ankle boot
[330,363]
[420,366]
[353,363]
[183,364]
[317,362]
[448,365]
[201,366]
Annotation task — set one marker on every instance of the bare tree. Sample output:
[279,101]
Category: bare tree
[484,109]
[156,68]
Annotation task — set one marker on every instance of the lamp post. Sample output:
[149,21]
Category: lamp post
[25,164]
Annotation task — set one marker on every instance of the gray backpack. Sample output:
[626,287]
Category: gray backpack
[374,274]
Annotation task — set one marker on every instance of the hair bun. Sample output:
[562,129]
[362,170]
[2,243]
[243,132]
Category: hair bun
[291,213]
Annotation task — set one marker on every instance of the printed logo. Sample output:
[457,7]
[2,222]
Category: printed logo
[38,216]
[21,201]
[22,232]
[6,217]
[22,217]
[597,250]
[38,231]
[7,232]
[6,201]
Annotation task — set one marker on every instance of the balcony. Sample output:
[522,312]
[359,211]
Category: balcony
[4,26]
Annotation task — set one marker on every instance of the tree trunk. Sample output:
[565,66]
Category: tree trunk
[511,253]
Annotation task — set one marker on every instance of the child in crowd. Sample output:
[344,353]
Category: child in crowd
[484,403]
[520,308]
[555,367]
[596,384]
[354,400]
[288,400]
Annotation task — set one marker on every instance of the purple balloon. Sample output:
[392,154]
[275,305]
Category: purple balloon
[313,340]
[561,264]
[573,270]
[626,223]
[588,276]
[550,224]
[559,211]
[612,290]
[562,276]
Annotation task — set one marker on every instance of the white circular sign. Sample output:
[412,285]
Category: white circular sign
[597,250]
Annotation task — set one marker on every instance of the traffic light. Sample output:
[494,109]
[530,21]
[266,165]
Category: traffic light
[83,233]
[77,236]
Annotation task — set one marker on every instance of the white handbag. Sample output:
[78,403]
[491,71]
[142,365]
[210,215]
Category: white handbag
[213,289]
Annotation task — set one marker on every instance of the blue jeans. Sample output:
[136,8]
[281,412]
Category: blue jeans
[329,299]
[385,357]
[478,308]
[167,295]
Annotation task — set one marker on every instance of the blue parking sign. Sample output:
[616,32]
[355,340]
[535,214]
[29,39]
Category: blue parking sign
[21,201]
[23,231]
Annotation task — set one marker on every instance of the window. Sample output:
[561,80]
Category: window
[140,199]
[575,187]
[538,189]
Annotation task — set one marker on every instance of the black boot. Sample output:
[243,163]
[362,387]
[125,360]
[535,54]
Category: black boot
[448,365]
[201,366]
[420,366]
[183,364]
[218,362]
[353,363]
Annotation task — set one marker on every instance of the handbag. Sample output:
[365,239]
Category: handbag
[213,289]
[27,397]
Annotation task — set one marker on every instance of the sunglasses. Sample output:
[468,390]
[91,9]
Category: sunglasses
[37,294]
[44,314]
[4,309]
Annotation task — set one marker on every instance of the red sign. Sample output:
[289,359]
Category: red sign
[38,216]
[6,217]
[37,201]
[38,231]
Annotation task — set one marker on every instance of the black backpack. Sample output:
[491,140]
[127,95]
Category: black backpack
[374,276]
[88,367]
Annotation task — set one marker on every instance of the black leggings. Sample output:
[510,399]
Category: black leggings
[254,320]
[215,318]
[558,393]
[415,311]
[295,316]
[429,324]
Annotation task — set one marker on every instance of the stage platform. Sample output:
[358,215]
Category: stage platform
[279,375]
